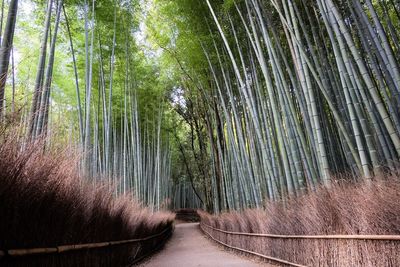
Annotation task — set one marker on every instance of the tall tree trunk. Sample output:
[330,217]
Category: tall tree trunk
[78,94]
[40,73]
[5,50]
[45,97]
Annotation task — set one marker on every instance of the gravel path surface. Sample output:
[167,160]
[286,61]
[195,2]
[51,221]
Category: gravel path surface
[189,248]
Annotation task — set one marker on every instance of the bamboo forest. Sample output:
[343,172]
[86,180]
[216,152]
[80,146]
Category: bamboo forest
[199,133]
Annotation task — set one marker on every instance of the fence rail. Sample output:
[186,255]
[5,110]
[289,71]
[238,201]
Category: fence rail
[64,248]
[274,236]
[361,237]
[281,261]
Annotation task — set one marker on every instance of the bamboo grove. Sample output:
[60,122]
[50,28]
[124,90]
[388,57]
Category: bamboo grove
[295,93]
[220,104]
[121,143]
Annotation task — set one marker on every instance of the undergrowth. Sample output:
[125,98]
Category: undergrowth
[344,209]
[45,203]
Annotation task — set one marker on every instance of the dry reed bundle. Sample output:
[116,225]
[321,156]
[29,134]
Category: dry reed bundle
[44,203]
[344,209]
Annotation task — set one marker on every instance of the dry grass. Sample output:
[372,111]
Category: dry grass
[345,209]
[44,203]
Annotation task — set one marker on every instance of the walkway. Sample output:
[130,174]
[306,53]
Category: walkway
[189,248]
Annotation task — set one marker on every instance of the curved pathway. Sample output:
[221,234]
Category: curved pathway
[189,248]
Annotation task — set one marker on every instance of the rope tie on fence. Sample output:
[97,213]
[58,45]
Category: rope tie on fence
[64,248]
[360,237]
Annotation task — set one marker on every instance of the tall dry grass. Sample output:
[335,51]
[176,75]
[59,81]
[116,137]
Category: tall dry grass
[44,203]
[345,209]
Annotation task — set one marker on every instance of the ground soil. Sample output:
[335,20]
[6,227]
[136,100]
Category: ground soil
[188,247]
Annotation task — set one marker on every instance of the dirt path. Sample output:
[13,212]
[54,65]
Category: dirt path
[189,248]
